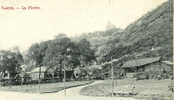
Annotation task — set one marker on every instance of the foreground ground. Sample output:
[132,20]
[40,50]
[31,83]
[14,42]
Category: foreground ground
[71,94]
[146,89]
[43,88]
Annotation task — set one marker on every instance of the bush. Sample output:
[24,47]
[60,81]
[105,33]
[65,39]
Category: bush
[141,76]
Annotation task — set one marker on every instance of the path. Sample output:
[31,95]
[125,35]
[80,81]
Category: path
[72,94]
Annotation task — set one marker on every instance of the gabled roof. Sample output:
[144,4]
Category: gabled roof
[37,69]
[168,62]
[51,69]
[112,61]
[95,67]
[140,62]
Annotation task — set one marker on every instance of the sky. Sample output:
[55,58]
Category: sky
[22,28]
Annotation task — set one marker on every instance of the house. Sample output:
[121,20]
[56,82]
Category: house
[149,67]
[38,72]
[5,75]
[49,73]
[69,75]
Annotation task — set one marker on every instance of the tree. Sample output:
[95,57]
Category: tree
[56,53]
[9,62]
[34,53]
[86,53]
[37,52]
[19,55]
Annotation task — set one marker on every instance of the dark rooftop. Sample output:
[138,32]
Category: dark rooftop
[140,62]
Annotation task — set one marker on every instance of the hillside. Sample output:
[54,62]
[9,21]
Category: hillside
[99,38]
[155,24]
[151,31]
[150,35]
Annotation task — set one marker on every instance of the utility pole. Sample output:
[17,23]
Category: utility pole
[64,81]
[112,76]
[39,77]
[112,67]
[112,72]
[67,53]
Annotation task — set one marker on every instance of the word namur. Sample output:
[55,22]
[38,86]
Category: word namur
[20,8]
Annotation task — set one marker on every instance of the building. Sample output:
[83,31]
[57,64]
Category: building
[151,68]
[139,65]
[69,75]
[49,73]
[4,75]
[34,73]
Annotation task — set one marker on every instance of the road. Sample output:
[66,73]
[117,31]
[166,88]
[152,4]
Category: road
[71,94]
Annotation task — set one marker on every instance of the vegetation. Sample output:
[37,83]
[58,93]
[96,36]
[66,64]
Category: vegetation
[153,30]
[61,53]
[10,62]
[146,89]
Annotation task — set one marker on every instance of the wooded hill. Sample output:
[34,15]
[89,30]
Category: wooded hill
[153,30]
[150,35]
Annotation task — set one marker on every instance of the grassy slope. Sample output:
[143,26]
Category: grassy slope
[145,88]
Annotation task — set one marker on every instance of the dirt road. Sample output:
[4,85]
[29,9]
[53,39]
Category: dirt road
[71,94]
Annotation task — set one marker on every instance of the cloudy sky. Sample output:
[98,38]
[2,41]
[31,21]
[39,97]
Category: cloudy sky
[73,17]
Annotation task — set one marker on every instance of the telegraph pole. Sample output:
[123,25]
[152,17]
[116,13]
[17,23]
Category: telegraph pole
[112,76]
[39,77]
[112,67]
[64,81]
[67,53]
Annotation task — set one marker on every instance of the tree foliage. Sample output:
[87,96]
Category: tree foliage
[10,61]
[61,52]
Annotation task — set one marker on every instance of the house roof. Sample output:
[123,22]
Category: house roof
[112,61]
[168,62]
[95,67]
[37,69]
[51,69]
[24,66]
[115,60]
[140,62]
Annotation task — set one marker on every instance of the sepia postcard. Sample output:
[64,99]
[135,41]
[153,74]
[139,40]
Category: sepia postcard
[86,50]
